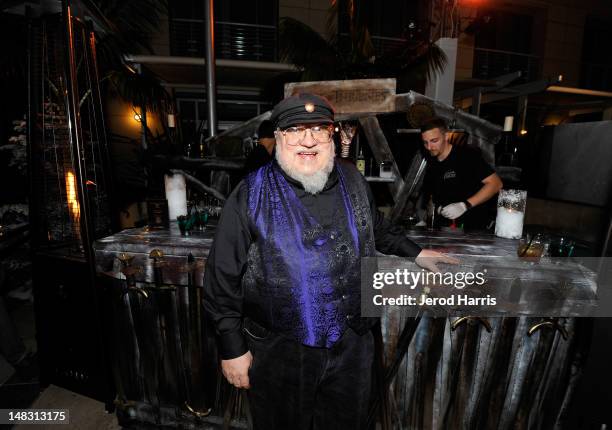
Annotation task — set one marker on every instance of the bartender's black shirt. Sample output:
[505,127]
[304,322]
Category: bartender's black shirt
[455,179]
[227,260]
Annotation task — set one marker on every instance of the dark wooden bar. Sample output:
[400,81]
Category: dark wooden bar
[493,373]
[455,373]
[163,350]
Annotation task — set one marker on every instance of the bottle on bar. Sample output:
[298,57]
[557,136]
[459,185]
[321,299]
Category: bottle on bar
[508,149]
[361,163]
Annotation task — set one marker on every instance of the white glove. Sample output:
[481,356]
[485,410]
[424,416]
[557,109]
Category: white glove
[454,210]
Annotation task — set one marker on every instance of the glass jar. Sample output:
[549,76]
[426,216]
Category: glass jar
[386,169]
[510,213]
[531,248]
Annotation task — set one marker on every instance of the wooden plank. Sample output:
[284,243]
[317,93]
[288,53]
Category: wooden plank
[412,182]
[351,96]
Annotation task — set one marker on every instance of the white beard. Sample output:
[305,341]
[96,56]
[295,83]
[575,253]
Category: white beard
[313,183]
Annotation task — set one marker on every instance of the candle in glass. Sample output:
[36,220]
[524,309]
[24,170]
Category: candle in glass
[510,213]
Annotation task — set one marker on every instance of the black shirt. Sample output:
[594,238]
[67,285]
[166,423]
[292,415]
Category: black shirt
[455,179]
[227,259]
[258,157]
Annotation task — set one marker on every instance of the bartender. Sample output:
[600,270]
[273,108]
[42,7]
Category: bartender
[458,180]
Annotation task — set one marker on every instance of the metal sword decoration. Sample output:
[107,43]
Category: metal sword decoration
[401,348]
[167,370]
[487,373]
[192,338]
[122,317]
[468,359]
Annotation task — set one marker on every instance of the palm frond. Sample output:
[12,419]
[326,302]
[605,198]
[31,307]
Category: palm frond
[138,89]
[431,59]
[332,23]
[134,24]
[413,62]
[305,48]
[362,48]
[136,21]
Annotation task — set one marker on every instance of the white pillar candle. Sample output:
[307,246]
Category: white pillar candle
[176,194]
[509,223]
[171,123]
[508,123]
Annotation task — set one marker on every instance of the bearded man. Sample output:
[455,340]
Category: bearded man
[282,280]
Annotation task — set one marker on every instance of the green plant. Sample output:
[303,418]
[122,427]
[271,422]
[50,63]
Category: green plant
[319,58]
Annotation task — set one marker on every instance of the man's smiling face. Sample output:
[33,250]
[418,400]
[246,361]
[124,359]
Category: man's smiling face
[305,149]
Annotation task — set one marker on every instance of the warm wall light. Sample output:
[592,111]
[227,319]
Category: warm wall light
[523,132]
[137,117]
[554,119]
[73,202]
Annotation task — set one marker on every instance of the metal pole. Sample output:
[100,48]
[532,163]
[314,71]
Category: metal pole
[522,112]
[476,101]
[143,116]
[109,183]
[30,147]
[87,228]
[76,146]
[211,86]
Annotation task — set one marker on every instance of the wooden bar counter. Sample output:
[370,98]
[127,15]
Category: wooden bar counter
[433,373]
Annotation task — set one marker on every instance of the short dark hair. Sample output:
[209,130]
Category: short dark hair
[435,122]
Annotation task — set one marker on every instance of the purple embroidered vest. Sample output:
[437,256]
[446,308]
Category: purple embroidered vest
[303,280]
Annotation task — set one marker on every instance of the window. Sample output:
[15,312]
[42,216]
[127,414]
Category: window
[243,30]
[504,44]
[505,31]
[389,22]
[597,54]
[232,109]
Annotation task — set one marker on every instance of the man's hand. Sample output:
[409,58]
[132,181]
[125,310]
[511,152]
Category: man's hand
[427,259]
[236,370]
[454,210]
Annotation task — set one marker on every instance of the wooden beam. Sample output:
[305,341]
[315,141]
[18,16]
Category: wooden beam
[381,150]
[412,182]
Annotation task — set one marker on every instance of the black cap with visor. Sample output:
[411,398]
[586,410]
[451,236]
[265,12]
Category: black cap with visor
[303,108]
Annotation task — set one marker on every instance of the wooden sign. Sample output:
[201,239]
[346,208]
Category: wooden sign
[351,96]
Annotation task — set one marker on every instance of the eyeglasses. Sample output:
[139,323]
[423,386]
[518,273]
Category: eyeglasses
[296,135]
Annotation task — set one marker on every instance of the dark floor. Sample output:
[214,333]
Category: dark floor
[84,413]
[23,387]
[22,390]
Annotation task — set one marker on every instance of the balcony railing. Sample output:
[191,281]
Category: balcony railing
[235,41]
[597,76]
[491,63]
[382,45]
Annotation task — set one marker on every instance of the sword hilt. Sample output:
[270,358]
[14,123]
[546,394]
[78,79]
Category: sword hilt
[157,256]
